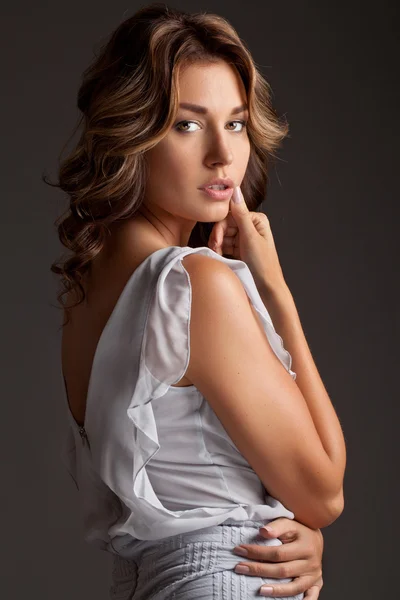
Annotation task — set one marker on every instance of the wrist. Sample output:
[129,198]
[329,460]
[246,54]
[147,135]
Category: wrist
[278,294]
[279,303]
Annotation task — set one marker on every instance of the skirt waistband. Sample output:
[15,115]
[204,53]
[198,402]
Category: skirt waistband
[228,533]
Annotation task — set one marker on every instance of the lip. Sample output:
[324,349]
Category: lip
[219,181]
[218,194]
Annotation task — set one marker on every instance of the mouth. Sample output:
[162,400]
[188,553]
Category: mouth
[217,187]
[218,184]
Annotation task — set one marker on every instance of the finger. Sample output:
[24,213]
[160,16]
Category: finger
[235,254]
[212,240]
[282,553]
[312,593]
[294,568]
[218,250]
[229,244]
[279,590]
[228,225]
[220,230]
[282,528]
[241,214]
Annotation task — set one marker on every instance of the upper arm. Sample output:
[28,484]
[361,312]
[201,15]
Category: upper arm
[262,409]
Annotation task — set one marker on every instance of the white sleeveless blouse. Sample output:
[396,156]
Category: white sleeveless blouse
[153,460]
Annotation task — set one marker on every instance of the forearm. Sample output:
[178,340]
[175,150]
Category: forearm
[282,309]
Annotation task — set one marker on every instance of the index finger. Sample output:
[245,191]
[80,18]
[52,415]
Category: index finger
[281,553]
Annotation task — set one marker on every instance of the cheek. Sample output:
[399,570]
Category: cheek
[170,160]
[243,156]
[168,170]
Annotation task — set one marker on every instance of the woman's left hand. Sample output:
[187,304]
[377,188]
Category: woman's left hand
[299,556]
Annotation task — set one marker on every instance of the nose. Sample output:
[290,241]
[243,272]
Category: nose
[219,151]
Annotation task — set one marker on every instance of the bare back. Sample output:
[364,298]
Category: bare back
[81,335]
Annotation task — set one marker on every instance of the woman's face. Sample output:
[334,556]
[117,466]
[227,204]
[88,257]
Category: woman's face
[198,147]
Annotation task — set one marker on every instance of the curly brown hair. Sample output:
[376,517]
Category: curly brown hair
[128,100]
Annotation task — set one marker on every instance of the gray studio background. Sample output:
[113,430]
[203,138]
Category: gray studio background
[333,207]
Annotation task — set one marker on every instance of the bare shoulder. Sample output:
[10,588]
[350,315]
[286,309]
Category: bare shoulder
[202,261]
[213,277]
[223,316]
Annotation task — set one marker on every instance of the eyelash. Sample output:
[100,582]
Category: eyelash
[244,123]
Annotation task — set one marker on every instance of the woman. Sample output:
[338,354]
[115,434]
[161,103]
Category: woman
[181,415]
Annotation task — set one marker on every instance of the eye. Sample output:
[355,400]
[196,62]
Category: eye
[242,123]
[177,126]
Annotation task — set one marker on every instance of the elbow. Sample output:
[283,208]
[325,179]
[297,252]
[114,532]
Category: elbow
[322,514]
[337,506]
[332,511]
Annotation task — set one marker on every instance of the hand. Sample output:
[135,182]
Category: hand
[299,556]
[247,236]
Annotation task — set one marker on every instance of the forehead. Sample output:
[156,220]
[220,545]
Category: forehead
[217,86]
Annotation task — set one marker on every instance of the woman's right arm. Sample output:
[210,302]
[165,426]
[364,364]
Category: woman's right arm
[255,398]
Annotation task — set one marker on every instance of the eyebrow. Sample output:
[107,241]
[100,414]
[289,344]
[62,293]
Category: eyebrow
[202,110]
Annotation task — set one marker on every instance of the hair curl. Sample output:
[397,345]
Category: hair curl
[128,100]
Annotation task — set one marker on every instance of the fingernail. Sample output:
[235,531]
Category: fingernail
[241,551]
[266,591]
[267,529]
[237,196]
[242,569]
